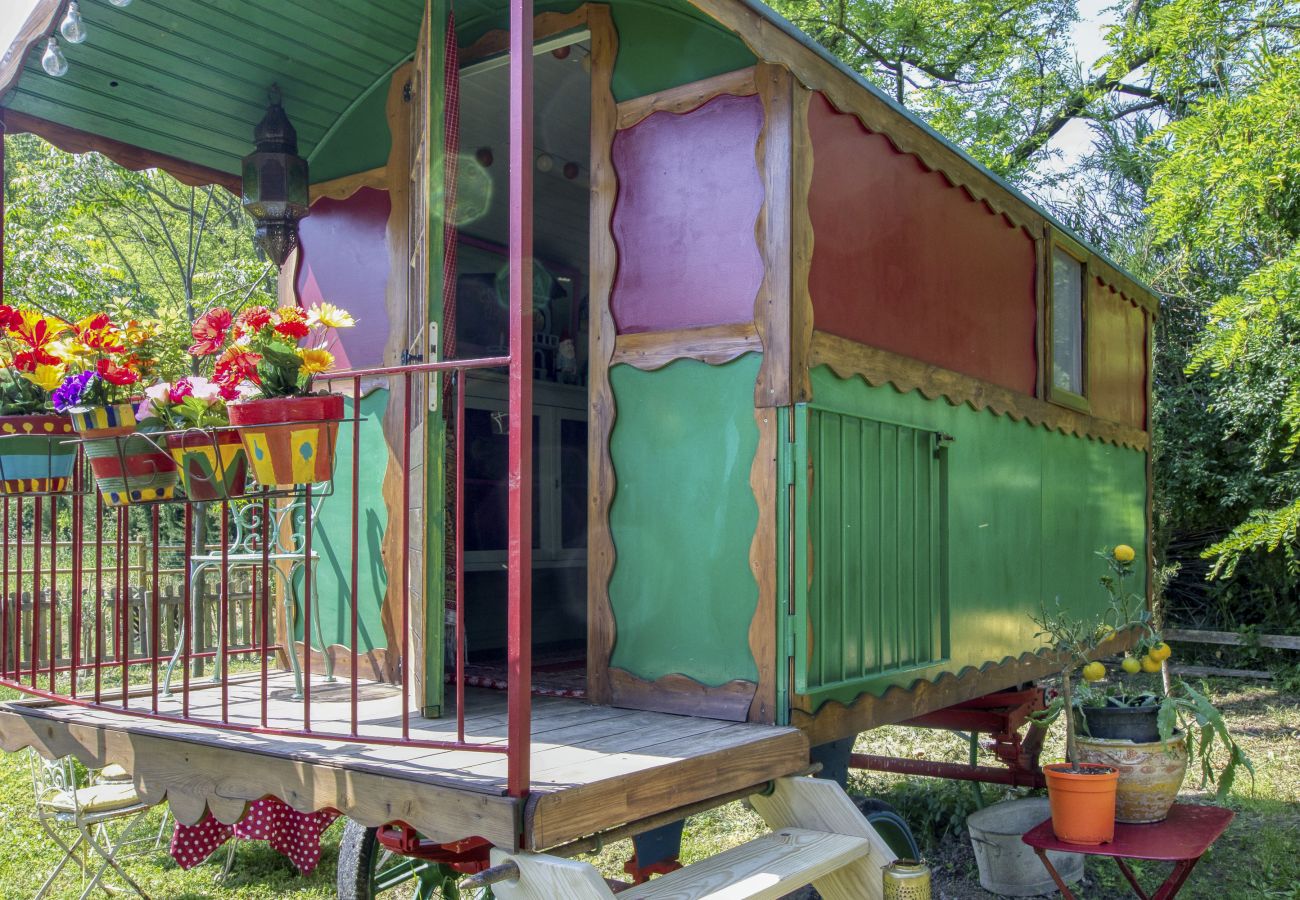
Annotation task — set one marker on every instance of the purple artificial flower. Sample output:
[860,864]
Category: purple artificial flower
[71,392]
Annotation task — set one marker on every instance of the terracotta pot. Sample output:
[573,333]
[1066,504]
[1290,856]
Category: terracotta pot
[1150,774]
[37,454]
[1083,804]
[289,440]
[128,466]
[213,465]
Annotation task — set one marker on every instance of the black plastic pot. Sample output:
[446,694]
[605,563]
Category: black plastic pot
[1122,723]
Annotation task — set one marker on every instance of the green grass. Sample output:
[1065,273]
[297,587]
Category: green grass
[1259,857]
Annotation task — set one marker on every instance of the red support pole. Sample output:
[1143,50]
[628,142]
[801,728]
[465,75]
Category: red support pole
[36,587]
[99,594]
[356,543]
[187,618]
[460,555]
[4,637]
[266,599]
[78,516]
[405,557]
[520,518]
[154,617]
[123,600]
[18,600]
[223,612]
[306,612]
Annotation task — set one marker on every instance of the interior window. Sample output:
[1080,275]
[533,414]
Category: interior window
[1067,323]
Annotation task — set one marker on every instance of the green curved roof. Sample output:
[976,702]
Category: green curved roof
[189,78]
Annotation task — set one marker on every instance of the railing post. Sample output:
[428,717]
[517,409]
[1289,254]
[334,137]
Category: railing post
[519,550]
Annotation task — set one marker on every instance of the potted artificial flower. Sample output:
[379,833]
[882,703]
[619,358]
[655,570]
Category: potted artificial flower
[1148,731]
[37,454]
[106,364]
[288,431]
[210,456]
[1081,794]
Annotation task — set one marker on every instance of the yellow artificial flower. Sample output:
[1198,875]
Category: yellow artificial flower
[46,377]
[290,314]
[316,361]
[329,316]
[71,349]
[1124,553]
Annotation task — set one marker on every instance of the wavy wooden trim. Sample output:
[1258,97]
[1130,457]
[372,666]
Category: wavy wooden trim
[686,97]
[345,187]
[196,777]
[682,695]
[770,43]
[601,627]
[834,720]
[848,358]
[39,23]
[801,248]
[545,25]
[772,233]
[397,302]
[128,156]
[762,562]
[713,344]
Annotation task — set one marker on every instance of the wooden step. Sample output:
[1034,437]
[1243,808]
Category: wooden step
[766,868]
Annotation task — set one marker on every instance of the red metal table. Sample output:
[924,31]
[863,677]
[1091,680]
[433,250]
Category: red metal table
[1181,839]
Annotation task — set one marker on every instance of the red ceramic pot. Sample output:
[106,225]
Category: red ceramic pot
[289,440]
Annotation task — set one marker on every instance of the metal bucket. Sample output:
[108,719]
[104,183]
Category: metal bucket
[1008,866]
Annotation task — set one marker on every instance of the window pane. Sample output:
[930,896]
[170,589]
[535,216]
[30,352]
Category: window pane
[1067,322]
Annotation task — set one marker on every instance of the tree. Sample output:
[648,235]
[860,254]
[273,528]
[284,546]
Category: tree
[84,234]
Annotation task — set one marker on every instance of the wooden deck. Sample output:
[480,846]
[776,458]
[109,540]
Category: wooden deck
[593,768]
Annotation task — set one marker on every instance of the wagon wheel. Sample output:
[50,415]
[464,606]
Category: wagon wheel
[367,870]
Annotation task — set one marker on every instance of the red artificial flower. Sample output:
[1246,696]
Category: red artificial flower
[210,331]
[293,329]
[10,317]
[236,364]
[28,360]
[115,374]
[179,391]
[228,390]
[97,333]
[255,318]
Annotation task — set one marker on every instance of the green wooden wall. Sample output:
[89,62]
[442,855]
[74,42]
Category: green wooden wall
[1026,508]
[683,519]
[332,537]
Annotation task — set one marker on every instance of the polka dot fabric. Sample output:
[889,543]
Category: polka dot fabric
[294,834]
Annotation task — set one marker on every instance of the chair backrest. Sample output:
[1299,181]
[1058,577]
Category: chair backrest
[287,526]
[54,781]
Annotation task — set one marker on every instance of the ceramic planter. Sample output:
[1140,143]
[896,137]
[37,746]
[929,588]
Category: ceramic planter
[289,440]
[128,466]
[1083,803]
[1150,774]
[37,454]
[212,464]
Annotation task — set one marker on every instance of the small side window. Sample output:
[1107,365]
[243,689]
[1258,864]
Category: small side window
[1067,324]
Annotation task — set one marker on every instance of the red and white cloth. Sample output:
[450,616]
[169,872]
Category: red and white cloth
[294,834]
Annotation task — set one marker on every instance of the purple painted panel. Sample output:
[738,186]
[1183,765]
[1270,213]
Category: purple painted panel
[344,261]
[689,196]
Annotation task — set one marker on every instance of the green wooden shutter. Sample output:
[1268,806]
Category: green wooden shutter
[871,590]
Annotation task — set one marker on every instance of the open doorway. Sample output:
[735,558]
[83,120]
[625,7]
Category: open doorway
[562,156]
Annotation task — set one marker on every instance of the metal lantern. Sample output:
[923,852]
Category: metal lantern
[275,183]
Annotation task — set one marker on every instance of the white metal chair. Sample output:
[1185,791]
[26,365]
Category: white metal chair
[104,810]
[287,529]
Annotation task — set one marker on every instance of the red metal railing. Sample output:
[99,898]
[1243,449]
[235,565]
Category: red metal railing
[97,604]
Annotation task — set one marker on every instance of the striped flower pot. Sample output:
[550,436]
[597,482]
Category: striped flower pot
[289,440]
[128,466]
[37,454]
[213,465]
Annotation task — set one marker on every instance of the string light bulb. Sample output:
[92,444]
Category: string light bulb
[72,28]
[120,4]
[52,60]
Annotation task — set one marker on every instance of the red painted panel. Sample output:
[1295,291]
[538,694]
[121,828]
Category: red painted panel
[904,261]
[689,196]
[1117,352]
[345,262]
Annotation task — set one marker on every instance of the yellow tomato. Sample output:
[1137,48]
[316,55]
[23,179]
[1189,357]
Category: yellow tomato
[1160,652]
[1094,671]
[1124,553]
[1131,664]
[1150,665]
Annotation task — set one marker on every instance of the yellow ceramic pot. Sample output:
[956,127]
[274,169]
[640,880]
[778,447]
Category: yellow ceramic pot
[1150,775]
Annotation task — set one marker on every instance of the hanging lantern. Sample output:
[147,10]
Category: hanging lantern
[275,183]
